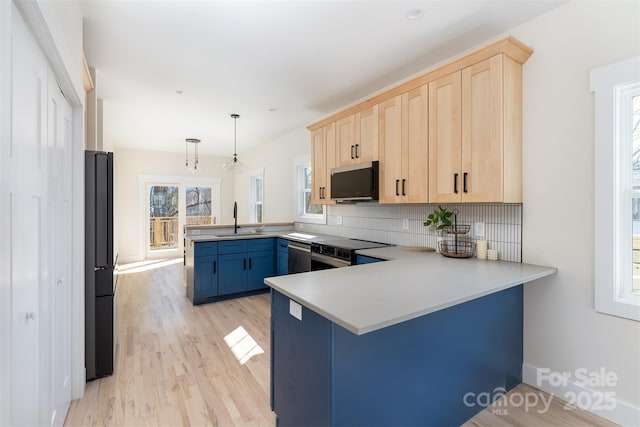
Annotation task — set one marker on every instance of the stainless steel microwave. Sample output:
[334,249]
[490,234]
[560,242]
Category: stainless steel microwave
[355,182]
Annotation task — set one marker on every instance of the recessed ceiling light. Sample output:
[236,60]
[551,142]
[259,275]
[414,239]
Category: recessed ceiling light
[179,92]
[273,110]
[413,14]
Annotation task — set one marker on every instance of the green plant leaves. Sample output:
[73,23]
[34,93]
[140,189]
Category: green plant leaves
[439,218]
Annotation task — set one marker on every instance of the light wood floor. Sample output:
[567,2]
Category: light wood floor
[174,366]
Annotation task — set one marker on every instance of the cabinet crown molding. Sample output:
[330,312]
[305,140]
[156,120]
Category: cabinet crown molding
[509,46]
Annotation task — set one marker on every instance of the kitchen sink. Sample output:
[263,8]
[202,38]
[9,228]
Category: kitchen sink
[239,233]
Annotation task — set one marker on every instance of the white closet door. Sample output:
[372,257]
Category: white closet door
[28,217]
[59,113]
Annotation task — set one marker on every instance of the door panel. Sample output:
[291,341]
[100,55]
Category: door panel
[345,140]
[482,131]
[445,139]
[262,265]
[390,123]
[232,273]
[366,149]
[318,168]
[415,145]
[29,270]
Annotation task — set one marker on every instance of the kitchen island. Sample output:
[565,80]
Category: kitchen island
[409,341]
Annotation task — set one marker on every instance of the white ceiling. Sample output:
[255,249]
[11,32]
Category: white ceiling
[304,58]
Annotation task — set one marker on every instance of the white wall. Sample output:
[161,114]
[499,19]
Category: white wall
[276,157]
[130,164]
[562,330]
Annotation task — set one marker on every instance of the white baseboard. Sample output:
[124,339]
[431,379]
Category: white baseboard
[623,413]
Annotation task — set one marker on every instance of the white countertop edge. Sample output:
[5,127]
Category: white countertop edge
[409,316]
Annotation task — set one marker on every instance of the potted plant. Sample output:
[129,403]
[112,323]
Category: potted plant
[439,219]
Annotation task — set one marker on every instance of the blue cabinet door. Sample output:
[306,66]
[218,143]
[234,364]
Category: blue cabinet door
[282,261]
[283,264]
[232,273]
[261,265]
[205,277]
[300,365]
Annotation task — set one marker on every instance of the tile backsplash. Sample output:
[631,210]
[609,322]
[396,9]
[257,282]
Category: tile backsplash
[383,223]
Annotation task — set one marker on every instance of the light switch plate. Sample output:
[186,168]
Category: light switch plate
[295,309]
[405,223]
[339,220]
[479,229]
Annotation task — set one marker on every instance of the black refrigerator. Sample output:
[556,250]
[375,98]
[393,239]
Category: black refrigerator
[99,265]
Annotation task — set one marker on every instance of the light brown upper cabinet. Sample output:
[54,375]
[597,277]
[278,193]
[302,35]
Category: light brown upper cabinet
[357,137]
[323,156]
[404,147]
[452,134]
[475,132]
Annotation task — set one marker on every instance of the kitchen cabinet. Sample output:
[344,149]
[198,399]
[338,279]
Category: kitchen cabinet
[323,374]
[475,134]
[404,148]
[243,265]
[202,271]
[357,137]
[323,157]
[473,130]
[282,257]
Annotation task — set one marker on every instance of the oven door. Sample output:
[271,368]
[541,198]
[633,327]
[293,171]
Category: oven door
[324,262]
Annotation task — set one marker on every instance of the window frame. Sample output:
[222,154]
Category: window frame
[613,249]
[253,203]
[299,165]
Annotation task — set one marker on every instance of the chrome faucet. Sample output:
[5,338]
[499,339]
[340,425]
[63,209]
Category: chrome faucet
[235,218]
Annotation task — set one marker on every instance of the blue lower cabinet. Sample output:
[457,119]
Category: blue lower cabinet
[283,264]
[261,265]
[362,259]
[300,361]
[282,257]
[232,273]
[426,371]
[205,277]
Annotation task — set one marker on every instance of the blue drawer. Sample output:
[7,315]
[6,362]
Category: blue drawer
[205,249]
[256,245]
[232,246]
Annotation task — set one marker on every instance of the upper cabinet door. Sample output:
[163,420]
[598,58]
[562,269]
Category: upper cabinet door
[445,139]
[318,167]
[390,149]
[482,125]
[366,148]
[415,146]
[346,140]
[329,134]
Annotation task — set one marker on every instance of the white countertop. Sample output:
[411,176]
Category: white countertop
[368,297]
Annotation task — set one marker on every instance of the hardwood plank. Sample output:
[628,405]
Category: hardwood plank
[173,366]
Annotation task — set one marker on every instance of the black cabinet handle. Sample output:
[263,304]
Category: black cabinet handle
[323,193]
[352,152]
[250,263]
[357,150]
[283,246]
[464,182]
[244,263]
[403,185]
[455,183]
[214,267]
[397,182]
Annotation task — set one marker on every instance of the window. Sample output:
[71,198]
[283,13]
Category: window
[305,211]
[617,188]
[168,203]
[256,196]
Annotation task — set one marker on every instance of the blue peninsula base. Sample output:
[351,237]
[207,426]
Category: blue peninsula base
[424,371]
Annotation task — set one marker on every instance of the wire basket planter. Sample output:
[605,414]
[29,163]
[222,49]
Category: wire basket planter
[454,247]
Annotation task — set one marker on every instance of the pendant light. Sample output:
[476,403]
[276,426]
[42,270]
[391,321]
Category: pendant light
[234,165]
[195,143]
